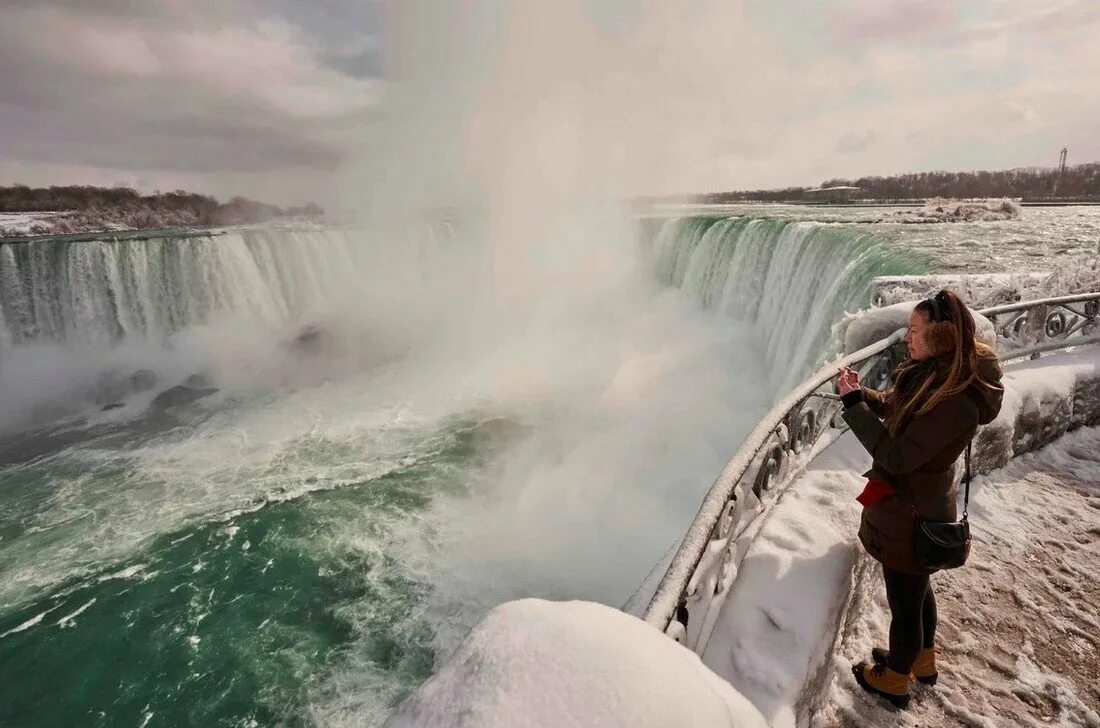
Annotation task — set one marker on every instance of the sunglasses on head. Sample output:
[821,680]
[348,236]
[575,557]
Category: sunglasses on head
[941,309]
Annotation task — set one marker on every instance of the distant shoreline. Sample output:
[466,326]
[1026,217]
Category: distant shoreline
[146,234]
[198,232]
[907,202]
[114,234]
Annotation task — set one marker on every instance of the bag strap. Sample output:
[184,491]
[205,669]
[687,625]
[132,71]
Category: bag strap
[966,479]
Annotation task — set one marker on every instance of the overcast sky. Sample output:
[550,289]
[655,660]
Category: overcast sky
[276,99]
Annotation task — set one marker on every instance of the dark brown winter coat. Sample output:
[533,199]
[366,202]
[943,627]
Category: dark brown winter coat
[919,462]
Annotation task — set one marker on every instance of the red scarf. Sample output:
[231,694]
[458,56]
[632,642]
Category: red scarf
[874,491]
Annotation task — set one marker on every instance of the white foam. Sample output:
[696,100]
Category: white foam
[26,625]
[69,619]
[128,573]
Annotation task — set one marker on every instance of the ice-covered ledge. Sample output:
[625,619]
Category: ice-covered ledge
[560,664]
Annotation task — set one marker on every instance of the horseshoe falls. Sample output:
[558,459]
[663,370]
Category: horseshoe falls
[373,437]
[792,280]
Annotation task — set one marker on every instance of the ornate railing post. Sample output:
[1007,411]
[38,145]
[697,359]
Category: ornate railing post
[1031,327]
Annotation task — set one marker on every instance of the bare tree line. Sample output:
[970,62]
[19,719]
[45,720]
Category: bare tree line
[1079,182]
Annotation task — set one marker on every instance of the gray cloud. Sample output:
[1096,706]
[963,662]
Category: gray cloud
[106,7]
[119,87]
[361,62]
[853,142]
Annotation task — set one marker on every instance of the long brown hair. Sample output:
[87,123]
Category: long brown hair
[921,385]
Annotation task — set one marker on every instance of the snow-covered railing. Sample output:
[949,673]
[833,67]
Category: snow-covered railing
[1032,327]
[690,595]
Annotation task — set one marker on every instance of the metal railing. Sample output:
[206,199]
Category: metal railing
[689,598]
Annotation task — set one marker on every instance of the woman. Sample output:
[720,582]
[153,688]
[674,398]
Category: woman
[915,432]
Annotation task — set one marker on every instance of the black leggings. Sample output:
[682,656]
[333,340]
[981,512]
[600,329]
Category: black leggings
[912,617]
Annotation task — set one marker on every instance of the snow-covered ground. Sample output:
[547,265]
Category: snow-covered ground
[13,224]
[1019,634]
[787,602]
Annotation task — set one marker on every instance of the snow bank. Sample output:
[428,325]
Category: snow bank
[1044,399]
[864,328]
[539,663]
[983,290]
[775,628]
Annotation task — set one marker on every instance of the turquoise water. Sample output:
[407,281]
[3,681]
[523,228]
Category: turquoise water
[240,619]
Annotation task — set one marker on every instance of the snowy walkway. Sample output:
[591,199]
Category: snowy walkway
[1019,625]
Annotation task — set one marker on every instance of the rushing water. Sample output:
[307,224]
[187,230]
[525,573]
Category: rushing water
[301,546]
[1042,238]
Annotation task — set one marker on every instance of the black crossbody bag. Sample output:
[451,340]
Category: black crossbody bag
[945,545]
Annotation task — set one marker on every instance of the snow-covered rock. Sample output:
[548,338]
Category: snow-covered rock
[26,223]
[539,663]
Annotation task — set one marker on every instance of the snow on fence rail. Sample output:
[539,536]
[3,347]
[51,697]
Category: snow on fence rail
[690,595]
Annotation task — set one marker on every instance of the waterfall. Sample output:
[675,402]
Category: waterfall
[77,312]
[792,280]
[102,291]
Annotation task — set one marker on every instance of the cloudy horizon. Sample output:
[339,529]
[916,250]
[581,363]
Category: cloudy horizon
[275,101]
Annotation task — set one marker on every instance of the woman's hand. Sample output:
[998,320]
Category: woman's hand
[848,381]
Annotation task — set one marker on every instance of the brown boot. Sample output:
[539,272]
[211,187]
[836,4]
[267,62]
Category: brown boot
[884,682]
[924,669]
